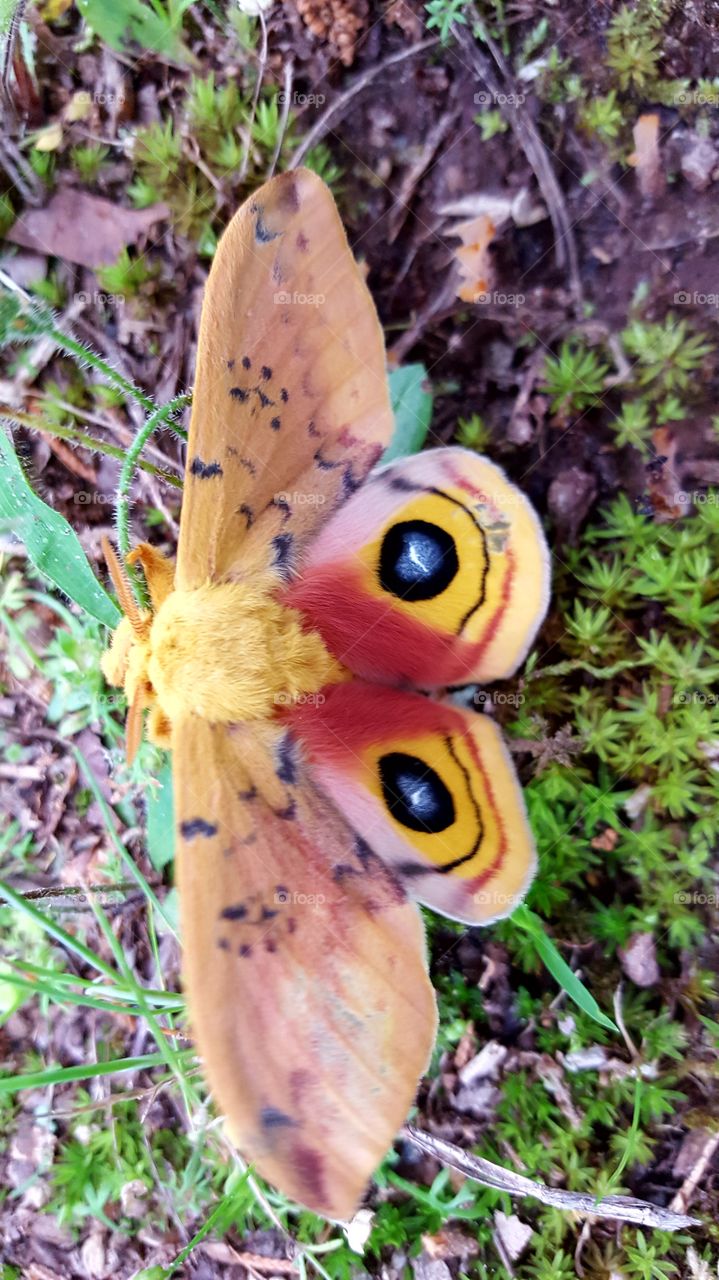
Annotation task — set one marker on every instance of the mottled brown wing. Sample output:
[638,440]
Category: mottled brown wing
[304,966]
[291,406]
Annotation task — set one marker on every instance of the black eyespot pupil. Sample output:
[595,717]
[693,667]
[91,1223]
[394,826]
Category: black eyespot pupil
[418,560]
[415,794]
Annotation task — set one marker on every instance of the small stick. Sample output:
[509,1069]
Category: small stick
[620,1208]
[337,107]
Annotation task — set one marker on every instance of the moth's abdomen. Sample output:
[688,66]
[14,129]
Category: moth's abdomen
[232,652]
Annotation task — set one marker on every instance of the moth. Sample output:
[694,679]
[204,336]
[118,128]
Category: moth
[289,660]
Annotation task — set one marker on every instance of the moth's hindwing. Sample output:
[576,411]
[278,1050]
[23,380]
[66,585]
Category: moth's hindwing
[429,787]
[437,573]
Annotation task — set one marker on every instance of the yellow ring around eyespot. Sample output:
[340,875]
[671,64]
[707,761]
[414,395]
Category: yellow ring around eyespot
[465,593]
[474,830]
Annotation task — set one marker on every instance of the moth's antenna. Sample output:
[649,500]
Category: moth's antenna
[121,583]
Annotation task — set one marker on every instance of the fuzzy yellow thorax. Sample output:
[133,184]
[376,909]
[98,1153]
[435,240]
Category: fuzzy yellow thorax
[227,652]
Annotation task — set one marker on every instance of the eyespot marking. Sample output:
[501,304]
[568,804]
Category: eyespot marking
[415,794]
[418,560]
[239,393]
[193,827]
[205,470]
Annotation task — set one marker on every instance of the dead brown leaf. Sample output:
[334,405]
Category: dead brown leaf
[83,228]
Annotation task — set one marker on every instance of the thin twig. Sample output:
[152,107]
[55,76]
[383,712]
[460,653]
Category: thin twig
[529,139]
[255,98]
[487,1174]
[288,78]
[340,103]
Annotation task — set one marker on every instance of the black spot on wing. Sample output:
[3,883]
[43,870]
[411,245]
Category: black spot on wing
[237,912]
[288,813]
[193,827]
[364,852]
[282,544]
[273,1118]
[246,796]
[284,395]
[283,505]
[263,235]
[205,470]
[400,485]
[302,242]
[230,364]
[239,393]
[275,423]
[270,945]
[325,464]
[246,362]
[286,761]
[350,483]
[245,951]
[265,373]
[312,430]
[267,913]
[413,870]
[264,400]
[249,465]
[248,513]
[223,944]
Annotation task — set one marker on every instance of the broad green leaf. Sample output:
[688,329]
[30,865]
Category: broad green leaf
[51,543]
[411,396]
[160,822]
[7,9]
[559,968]
[153,26]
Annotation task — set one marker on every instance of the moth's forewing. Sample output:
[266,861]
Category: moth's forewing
[304,968]
[290,407]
